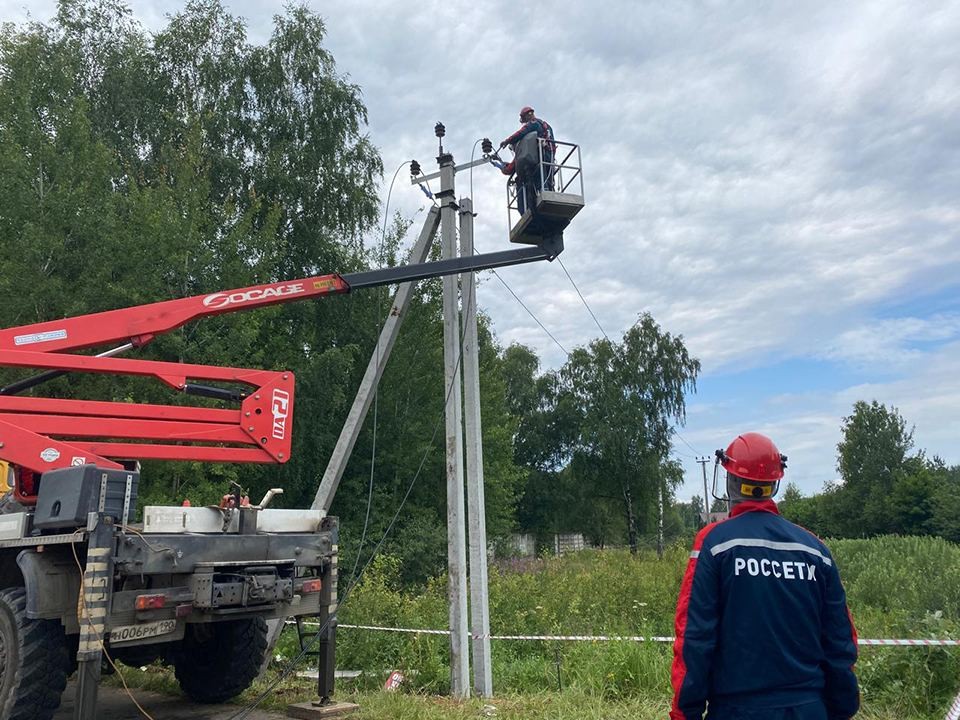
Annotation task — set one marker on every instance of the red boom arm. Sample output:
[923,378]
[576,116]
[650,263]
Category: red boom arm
[41,434]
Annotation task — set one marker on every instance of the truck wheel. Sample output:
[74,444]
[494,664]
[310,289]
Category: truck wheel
[33,661]
[218,661]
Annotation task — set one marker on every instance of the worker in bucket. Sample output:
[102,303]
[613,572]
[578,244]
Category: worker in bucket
[762,626]
[533,141]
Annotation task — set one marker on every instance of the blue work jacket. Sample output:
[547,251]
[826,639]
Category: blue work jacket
[762,621]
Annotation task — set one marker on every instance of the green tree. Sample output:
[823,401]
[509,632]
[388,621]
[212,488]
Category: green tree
[871,454]
[544,429]
[626,397]
[690,514]
[139,168]
[945,505]
[807,511]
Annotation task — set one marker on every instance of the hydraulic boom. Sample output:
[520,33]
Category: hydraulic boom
[41,434]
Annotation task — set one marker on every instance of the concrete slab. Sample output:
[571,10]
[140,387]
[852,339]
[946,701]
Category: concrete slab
[310,711]
[115,704]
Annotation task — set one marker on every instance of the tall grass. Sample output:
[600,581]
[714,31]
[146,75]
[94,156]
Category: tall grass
[897,587]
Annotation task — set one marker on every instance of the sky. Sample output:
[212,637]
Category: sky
[778,183]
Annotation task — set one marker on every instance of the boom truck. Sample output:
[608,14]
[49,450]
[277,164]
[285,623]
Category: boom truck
[81,577]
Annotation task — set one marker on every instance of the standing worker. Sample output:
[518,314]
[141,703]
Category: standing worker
[532,143]
[762,626]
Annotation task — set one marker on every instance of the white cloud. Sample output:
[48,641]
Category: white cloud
[807,426]
[892,344]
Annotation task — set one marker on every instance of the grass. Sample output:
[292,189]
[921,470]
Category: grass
[897,587]
[568,704]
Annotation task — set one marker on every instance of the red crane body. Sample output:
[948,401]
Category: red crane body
[40,434]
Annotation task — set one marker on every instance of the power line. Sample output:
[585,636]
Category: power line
[692,448]
[530,313]
[584,300]
[376,390]
[516,297]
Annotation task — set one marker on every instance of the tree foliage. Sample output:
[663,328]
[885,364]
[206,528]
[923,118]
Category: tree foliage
[869,457]
[140,167]
[885,490]
[596,435]
[143,168]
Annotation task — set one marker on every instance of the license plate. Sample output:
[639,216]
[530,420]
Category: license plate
[132,633]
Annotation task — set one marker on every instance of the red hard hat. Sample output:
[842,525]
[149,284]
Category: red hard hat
[525,109]
[753,456]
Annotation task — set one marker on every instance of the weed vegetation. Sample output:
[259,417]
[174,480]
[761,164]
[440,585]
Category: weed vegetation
[897,587]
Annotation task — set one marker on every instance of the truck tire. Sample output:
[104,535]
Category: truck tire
[218,661]
[33,661]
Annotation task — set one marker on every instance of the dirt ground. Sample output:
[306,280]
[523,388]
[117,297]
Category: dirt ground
[115,704]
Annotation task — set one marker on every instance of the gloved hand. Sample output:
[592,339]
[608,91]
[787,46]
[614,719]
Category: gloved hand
[503,144]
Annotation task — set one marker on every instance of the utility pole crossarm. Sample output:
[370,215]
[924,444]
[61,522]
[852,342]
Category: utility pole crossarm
[457,168]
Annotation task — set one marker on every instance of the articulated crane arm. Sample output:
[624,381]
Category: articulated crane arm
[40,434]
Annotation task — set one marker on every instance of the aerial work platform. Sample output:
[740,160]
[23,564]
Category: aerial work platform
[543,206]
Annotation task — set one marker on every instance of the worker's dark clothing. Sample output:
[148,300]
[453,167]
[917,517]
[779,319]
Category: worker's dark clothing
[762,624]
[532,174]
[807,711]
[540,127]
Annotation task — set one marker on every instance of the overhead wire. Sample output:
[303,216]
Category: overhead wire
[604,332]
[583,300]
[376,390]
[579,294]
[572,282]
[530,312]
[593,315]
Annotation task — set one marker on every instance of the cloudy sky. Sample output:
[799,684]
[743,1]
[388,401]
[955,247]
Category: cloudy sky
[777,182]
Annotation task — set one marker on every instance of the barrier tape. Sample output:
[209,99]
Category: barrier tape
[900,642]
[954,712]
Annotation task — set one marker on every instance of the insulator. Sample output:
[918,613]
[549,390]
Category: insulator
[486,146]
[414,168]
[439,130]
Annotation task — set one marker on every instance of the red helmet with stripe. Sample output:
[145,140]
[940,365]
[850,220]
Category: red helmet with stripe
[754,457]
[524,110]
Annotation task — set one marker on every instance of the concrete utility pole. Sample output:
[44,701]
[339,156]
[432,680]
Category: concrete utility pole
[706,493]
[456,540]
[476,506]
